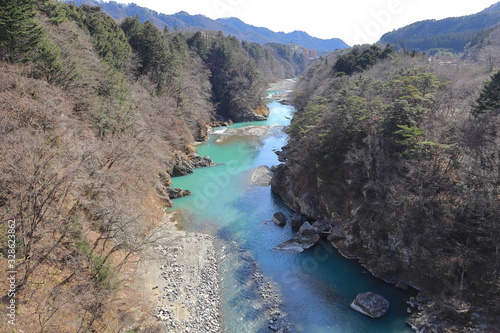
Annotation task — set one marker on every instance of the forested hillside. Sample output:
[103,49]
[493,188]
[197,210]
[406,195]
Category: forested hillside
[401,156]
[451,34]
[485,49]
[95,117]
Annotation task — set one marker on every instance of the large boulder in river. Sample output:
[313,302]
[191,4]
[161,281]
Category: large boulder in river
[279,218]
[305,238]
[370,304]
[261,176]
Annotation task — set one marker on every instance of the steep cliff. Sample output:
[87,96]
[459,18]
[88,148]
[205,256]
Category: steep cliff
[392,158]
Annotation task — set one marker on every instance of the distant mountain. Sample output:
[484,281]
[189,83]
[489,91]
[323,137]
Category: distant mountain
[228,26]
[453,33]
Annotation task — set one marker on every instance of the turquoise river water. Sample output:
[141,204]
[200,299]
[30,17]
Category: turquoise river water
[316,286]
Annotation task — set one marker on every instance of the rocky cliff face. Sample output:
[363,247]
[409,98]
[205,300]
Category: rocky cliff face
[384,255]
[383,247]
[408,189]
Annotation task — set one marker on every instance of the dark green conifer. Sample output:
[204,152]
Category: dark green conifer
[19,34]
[489,99]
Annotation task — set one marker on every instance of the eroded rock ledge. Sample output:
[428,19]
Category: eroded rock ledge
[183,164]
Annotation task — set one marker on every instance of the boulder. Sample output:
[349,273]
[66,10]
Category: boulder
[307,230]
[305,238]
[261,176]
[370,304]
[297,220]
[279,218]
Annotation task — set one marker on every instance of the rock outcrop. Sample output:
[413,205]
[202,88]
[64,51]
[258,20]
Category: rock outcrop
[247,131]
[250,114]
[202,132]
[183,164]
[322,227]
[301,199]
[221,123]
[305,238]
[186,165]
[176,193]
[370,304]
[261,112]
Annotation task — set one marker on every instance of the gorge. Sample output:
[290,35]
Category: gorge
[313,288]
[148,185]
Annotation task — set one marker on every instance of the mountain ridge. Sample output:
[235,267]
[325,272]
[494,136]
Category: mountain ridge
[452,33]
[229,26]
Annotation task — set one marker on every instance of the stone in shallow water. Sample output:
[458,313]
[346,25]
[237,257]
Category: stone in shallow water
[305,238]
[370,304]
[279,218]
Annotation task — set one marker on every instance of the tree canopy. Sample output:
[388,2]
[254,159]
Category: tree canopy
[357,60]
[489,99]
[19,33]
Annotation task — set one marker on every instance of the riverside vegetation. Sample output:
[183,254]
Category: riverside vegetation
[401,156]
[95,117]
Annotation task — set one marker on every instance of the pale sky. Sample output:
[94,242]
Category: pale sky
[354,21]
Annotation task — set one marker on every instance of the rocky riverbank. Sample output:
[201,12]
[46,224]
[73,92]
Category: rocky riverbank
[285,87]
[181,278]
[287,84]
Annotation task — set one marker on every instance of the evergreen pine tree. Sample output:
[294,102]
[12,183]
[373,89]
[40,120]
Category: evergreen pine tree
[19,34]
[489,99]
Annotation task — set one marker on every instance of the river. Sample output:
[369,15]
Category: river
[316,286]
